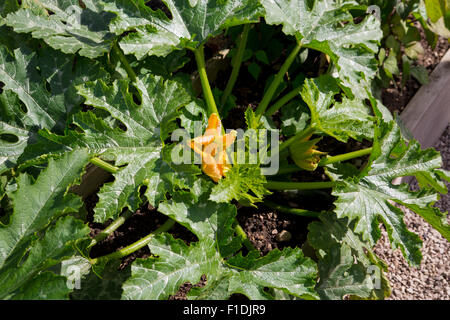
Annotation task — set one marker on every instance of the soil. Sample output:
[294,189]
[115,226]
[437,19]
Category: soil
[261,224]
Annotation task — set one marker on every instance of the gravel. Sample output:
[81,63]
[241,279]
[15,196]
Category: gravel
[431,281]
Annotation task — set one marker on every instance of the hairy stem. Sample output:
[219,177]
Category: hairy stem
[111,228]
[236,65]
[298,212]
[136,245]
[124,62]
[285,99]
[104,165]
[241,233]
[282,185]
[276,81]
[345,156]
[209,97]
[329,160]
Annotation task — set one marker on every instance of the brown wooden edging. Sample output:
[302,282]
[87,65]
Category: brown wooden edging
[427,115]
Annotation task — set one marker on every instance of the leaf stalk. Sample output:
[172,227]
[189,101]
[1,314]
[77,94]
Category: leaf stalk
[296,211]
[345,156]
[283,185]
[111,228]
[282,101]
[236,65]
[124,62]
[329,160]
[276,81]
[104,165]
[207,92]
[136,245]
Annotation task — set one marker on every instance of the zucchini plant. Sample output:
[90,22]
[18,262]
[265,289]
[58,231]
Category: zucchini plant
[109,84]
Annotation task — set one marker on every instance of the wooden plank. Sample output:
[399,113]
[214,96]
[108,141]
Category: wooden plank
[428,113]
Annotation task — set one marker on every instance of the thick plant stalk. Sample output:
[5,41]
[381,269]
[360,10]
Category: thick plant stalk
[277,80]
[285,99]
[345,156]
[124,62]
[111,228]
[104,165]
[236,65]
[329,160]
[136,245]
[241,233]
[208,95]
[282,185]
[298,212]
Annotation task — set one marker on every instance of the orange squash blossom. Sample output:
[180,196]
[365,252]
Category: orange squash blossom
[212,148]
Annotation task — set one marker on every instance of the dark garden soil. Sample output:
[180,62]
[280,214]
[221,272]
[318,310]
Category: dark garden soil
[267,229]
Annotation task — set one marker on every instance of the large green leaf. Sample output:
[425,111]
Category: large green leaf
[327,26]
[39,92]
[56,244]
[347,266]
[369,196]
[45,286]
[93,287]
[19,73]
[36,204]
[66,25]
[197,214]
[343,120]
[215,255]
[288,270]
[191,23]
[136,145]
[157,278]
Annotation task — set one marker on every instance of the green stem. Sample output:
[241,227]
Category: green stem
[111,228]
[104,165]
[124,62]
[276,81]
[285,99]
[236,65]
[209,97]
[282,185]
[298,212]
[345,156]
[241,233]
[299,136]
[136,245]
[329,160]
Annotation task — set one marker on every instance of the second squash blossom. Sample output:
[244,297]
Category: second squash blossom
[305,154]
[212,148]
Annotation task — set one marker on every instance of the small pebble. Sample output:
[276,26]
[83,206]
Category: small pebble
[284,235]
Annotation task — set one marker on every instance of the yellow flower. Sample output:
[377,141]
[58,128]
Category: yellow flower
[212,148]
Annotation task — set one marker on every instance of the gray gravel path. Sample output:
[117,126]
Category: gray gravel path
[431,281]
